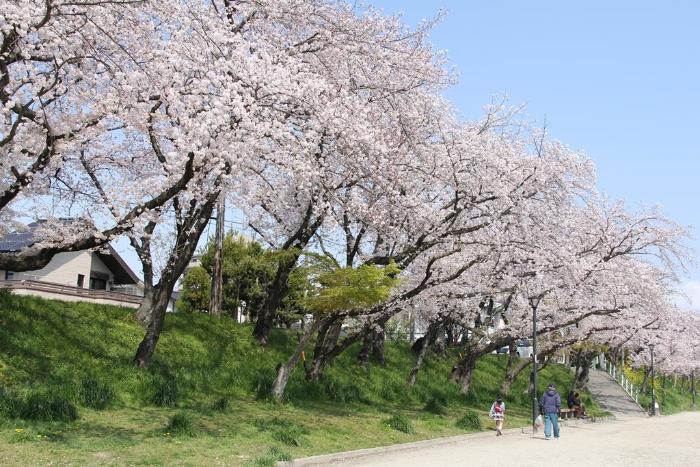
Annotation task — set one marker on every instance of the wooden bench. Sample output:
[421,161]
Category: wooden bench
[567,413]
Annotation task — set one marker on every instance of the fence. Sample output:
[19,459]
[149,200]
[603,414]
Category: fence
[623,381]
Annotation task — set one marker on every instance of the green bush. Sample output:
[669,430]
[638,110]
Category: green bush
[270,459]
[436,406]
[165,391]
[262,385]
[289,436]
[96,394]
[339,391]
[180,425]
[283,431]
[401,423]
[10,404]
[471,421]
[5,294]
[47,407]
[222,404]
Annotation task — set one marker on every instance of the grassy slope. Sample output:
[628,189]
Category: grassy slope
[673,394]
[54,346]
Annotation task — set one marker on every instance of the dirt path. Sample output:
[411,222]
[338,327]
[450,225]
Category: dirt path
[635,441]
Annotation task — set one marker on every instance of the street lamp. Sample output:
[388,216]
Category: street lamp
[653,392]
[534,303]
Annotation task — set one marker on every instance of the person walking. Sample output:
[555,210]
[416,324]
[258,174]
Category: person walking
[498,413]
[551,405]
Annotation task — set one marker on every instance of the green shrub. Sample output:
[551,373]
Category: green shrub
[96,394]
[283,431]
[436,406]
[165,391]
[270,459]
[47,407]
[279,454]
[21,435]
[262,385]
[273,423]
[5,294]
[10,404]
[401,423]
[289,436]
[340,391]
[180,425]
[221,405]
[471,421]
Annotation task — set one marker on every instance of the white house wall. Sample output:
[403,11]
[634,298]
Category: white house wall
[62,269]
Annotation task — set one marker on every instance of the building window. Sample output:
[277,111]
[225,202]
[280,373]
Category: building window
[81,280]
[9,275]
[98,284]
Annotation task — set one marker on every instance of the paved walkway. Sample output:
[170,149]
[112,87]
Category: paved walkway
[634,441]
[610,396]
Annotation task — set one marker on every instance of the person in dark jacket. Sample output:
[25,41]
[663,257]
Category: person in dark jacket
[551,405]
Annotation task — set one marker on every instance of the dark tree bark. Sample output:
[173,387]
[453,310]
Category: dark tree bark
[582,377]
[279,287]
[463,371]
[645,381]
[372,348]
[326,342]
[513,368]
[422,349]
[276,293]
[284,370]
[190,228]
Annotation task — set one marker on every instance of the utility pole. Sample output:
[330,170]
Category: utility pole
[534,302]
[653,391]
[217,279]
[692,387]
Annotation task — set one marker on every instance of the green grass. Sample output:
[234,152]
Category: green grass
[673,394]
[212,376]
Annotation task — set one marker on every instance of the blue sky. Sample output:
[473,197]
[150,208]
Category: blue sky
[619,80]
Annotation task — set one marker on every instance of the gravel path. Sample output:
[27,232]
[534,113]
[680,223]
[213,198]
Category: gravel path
[635,441]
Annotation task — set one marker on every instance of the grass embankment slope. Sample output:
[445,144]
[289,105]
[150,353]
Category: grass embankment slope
[212,377]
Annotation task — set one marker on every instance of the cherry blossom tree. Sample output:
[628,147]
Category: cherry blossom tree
[77,82]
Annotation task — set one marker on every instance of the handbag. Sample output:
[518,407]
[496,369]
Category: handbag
[538,420]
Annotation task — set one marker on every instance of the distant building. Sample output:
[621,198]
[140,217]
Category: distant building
[98,276]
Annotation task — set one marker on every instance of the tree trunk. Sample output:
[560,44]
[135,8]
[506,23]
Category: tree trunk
[284,370]
[144,312]
[327,339]
[582,378]
[276,293]
[514,367]
[372,347]
[462,372]
[158,305]
[422,350]
[279,287]
[645,381]
[155,306]
[439,341]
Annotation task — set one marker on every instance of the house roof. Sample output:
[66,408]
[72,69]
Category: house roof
[15,241]
[123,274]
